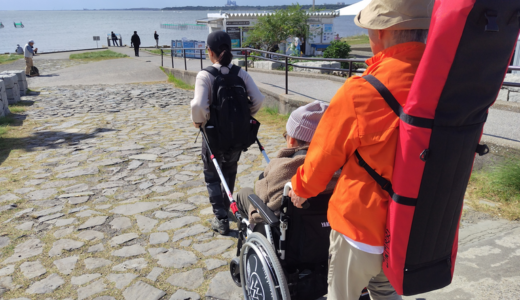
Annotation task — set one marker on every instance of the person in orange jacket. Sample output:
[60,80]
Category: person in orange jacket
[358,118]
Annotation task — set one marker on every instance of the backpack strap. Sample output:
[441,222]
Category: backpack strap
[212,70]
[385,184]
[395,106]
[398,110]
[235,70]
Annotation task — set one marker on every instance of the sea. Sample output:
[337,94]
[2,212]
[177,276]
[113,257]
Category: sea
[72,30]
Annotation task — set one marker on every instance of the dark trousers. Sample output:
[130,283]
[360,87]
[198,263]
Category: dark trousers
[228,164]
[114,41]
[136,50]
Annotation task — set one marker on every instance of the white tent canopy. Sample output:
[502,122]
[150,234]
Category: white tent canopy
[353,9]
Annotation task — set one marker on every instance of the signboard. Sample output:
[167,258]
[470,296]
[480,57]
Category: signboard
[328,33]
[237,23]
[189,44]
[315,33]
[202,46]
[96,38]
[177,45]
[234,33]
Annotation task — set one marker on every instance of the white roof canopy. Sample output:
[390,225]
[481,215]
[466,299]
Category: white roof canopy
[353,9]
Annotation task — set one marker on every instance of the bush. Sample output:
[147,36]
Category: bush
[338,49]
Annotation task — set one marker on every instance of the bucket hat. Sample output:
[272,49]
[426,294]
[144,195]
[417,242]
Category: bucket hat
[395,15]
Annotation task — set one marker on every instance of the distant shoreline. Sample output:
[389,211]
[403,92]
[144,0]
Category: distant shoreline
[227,8]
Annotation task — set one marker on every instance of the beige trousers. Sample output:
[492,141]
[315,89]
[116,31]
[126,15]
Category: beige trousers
[28,65]
[351,270]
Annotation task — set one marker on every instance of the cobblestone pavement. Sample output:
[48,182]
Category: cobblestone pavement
[107,200]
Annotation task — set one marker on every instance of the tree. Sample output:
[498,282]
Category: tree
[338,49]
[272,29]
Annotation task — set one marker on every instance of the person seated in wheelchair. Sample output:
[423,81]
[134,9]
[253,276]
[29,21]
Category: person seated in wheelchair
[300,129]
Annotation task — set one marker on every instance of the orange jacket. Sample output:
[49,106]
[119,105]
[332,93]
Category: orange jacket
[359,118]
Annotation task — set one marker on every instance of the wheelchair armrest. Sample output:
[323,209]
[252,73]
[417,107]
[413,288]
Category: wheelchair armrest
[266,213]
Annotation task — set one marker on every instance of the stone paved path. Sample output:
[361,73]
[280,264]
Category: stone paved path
[107,200]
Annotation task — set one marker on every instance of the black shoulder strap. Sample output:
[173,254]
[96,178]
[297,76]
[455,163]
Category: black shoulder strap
[395,106]
[212,70]
[235,70]
[385,93]
[385,184]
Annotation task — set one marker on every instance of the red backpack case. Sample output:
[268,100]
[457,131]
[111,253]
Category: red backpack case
[470,45]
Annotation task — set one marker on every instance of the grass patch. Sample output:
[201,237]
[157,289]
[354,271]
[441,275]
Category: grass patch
[177,82]
[9,58]
[271,116]
[501,184]
[158,51]
[356,39]
[4,125]
[16,109]
[97,55]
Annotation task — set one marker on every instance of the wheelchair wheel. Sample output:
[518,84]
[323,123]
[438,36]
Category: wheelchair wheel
[261,274]
[234,269]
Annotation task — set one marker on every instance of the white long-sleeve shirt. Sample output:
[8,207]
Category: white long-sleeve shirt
[29,52]
[204,85]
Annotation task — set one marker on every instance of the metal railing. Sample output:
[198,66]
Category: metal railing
[247,53]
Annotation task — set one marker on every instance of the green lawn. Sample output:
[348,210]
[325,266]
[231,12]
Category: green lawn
[98,55]
[9,58]
[356,39]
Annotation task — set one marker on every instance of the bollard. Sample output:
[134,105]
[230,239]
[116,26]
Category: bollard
[184,54]
[286,75]
[246,60]
[201,67]
[171,52]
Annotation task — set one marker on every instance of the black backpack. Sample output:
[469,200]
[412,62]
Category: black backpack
[230,127]
[34,71]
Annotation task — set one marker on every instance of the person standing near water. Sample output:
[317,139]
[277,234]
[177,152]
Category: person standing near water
[29,53]
[136,42]
[156,37]
[114,39]
[219,52]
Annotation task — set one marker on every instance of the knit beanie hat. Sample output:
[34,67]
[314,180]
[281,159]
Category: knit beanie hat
[303,121]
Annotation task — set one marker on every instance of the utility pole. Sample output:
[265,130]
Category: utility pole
[313,4]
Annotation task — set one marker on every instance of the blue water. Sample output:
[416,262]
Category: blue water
[68,30]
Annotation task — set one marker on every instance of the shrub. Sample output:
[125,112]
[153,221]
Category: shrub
[338,49]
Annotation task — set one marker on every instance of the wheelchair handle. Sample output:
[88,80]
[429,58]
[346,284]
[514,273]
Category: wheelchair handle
[287,188]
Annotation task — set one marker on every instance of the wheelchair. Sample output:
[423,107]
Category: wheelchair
[284,257]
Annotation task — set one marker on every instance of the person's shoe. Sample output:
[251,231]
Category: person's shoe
[221,226]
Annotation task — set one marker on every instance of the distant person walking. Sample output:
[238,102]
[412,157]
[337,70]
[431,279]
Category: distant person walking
[29,53]
[136,42]
[114,39]
[156,37]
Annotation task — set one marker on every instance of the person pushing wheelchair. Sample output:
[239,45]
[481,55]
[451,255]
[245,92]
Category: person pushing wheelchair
[358,120]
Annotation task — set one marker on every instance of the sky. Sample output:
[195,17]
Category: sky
[117,4]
